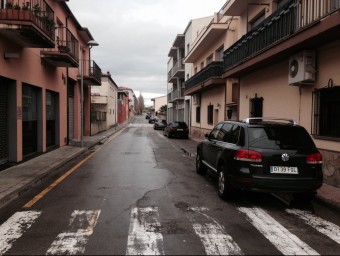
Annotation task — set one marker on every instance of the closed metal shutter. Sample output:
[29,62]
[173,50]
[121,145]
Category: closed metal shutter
[70,118]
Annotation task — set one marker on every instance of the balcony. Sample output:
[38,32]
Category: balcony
[28,23]
[176,95]
[99,99]
[209,76]
[177,71]
[296,26]
[65,54]
[92,73]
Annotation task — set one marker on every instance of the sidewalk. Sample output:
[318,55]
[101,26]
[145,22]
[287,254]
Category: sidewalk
[15,180]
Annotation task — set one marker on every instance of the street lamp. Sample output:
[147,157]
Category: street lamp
[89,44]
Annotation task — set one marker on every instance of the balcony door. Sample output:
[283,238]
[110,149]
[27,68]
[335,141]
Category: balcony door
[3,122]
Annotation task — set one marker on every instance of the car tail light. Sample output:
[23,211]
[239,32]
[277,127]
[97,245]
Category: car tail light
[173,129]
[315,158]
[248,155]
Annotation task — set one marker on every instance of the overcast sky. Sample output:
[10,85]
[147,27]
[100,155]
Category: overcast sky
[135,37]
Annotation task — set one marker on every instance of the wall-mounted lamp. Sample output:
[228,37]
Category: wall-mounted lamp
[11,55]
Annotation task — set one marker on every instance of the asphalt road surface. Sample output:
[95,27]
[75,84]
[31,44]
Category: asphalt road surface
[139,194]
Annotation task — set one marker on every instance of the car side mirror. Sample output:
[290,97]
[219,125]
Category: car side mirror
[206,136]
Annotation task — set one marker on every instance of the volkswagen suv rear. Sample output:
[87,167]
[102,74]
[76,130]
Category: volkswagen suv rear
[263,154]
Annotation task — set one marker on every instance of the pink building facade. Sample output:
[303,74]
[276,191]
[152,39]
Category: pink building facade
[44,63]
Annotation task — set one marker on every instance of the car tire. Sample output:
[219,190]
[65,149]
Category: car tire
[224,189]
[169,135]
[201,169]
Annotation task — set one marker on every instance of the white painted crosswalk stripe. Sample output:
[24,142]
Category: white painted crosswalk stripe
[14,228]
[279,236]
[145,237]
[74,241]
[325,227]
[215,239]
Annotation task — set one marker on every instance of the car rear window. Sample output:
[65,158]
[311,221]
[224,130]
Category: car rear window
[180,125]
[280,138]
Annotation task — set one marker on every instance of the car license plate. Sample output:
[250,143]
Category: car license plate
[284,170]
[180,130]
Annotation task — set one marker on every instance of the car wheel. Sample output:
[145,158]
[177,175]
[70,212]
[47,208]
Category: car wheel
[200,167]
[169,135]
[224,189]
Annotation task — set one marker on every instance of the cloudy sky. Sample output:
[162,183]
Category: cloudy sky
[135,37]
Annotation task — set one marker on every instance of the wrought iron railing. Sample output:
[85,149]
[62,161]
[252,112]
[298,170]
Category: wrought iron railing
[67,43]
[214,69]
[92,71]
[35,11]
[283,23]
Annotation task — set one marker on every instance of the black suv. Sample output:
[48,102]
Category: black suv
[261,154]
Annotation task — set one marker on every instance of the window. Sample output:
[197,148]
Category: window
[198,114]
[256,107]
[210,114]
[215,133]
[257,20]
[335,4]
[326,110]
[220,54]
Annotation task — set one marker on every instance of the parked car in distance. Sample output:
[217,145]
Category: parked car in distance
[261,154]
[152,119]
[160,124]
[176,129]
[147,116]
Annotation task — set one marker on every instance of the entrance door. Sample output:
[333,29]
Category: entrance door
[70,99]
[29,120]
[3,122]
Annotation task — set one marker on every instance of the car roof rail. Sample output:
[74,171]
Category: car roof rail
[290,121]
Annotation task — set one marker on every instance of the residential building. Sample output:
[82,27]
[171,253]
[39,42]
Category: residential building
[123,106]
[133,101]
[104,105]
[179,104]
[45,62]
[159,102]
[284,64]
[206,85]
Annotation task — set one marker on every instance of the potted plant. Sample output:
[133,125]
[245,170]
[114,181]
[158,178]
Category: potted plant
[26,6]
[9,5]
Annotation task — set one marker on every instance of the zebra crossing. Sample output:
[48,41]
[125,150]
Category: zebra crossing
[145,231]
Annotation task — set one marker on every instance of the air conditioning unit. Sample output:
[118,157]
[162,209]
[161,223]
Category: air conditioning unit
[196,99]
[302,68]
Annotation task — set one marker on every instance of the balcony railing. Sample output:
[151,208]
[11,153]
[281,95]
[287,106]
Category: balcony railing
[26,19]
[280,25]
[176,95]
[214,69]
[66,52]
[92,73]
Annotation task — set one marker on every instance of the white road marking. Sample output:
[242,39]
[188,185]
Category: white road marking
[323,226]
[215,239]
[82,224]
[144,233]
[14,228]
[279,236]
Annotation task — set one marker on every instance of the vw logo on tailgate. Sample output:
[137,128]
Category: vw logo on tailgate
[285,157]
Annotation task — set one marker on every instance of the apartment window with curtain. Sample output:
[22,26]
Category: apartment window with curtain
[211,114]
[256,107]
[326,112]
[209,59]
[219,53]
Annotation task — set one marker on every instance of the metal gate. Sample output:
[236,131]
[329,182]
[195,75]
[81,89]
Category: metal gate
[3,122]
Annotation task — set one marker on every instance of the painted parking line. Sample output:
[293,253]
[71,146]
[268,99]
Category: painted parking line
[74,241]
[145,237]
[323,226]
[215,239]
[279,236]
[15,227]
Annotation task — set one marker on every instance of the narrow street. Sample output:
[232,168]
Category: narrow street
[139,193]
